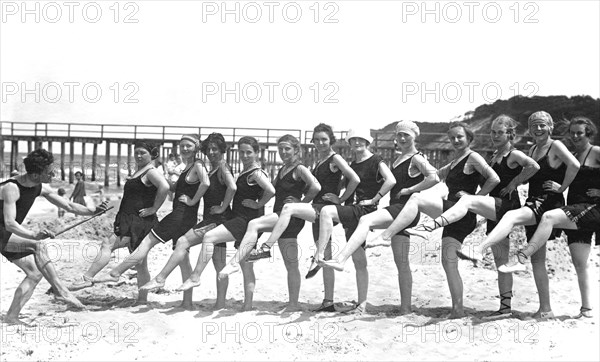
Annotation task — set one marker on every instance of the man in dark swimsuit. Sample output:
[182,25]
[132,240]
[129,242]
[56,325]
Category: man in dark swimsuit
[26,248]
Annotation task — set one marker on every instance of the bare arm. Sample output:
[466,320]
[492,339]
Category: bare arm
[313,185]
[200,170]
[10,195]
[227,178]
[61,202]
[269,191]
[157,179]
[350,175]
[530,167]
[561,152]
[430,176]
[388,183]
[491,177]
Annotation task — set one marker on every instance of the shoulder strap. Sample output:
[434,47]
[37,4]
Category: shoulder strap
[586,156]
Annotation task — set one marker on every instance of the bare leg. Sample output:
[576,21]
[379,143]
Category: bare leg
[551,219]
[362,278]
[522,216]
[218,235]
[450,264]
[505,280]
[379,218]
[133,259]
[297,209]
[480,205]
[24,290]
[289,251]
[580,252]
[186,270]
[401,250]
[431,206]
[143,276]
[106,249]
[44,265]
[181,253]
[249,284]
[328,216]
[219,259]
[248,243]
[328,274]
[540,275]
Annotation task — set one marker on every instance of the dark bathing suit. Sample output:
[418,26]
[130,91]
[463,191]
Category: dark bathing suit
[24,203]
[403,180]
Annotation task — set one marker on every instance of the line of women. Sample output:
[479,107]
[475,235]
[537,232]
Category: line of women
[349,194]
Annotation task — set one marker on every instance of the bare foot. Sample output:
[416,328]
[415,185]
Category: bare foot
[70,300]
[218,305]
[291,308]
[152,285]
[379,240]
[84,282]
[457,314]
[228,270]
[107,278]
[186,306]
[188,284]
[15,321]
[334,264]
[140,302]
[247,308]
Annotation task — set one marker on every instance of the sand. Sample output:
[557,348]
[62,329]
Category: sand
[112,328]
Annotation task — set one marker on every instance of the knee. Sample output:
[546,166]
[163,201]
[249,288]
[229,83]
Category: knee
[548,218]
[327,213]
[182,244]
[360,263]
[35,276]
[580,264]
[286,211]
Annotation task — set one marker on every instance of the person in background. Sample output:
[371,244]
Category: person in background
[79,191]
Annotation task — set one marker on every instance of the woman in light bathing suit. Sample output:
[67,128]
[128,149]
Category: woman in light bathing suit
[462,176]
[143,194]
[291,182]
[514,168]
[216,211]
[557,164]
[328,170]
[580,218]
[412,173]
[189,189]
[376,180]
[253,191]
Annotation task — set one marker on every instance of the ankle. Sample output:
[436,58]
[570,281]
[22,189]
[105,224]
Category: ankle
[521,257]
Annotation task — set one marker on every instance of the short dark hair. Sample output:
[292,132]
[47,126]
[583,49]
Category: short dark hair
[215,138]
[248,140]
[37,161]
[322,127]
[590,127]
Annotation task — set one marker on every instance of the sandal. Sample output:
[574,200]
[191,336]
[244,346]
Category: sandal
[585,313]
[505,307]
[313,269]
[263,253]
[436,225]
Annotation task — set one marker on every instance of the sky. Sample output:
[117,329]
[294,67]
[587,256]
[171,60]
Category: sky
[271,64]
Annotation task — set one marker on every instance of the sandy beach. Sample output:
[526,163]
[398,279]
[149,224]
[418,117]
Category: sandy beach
[112,328]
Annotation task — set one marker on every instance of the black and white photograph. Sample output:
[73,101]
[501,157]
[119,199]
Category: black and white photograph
[309,180]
